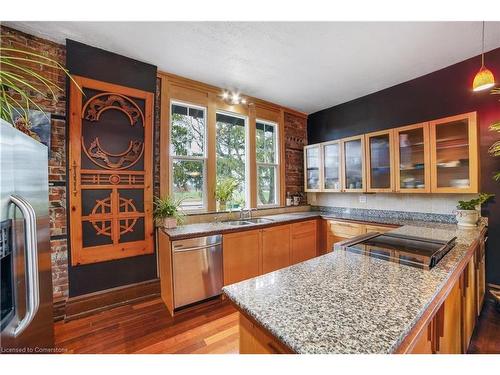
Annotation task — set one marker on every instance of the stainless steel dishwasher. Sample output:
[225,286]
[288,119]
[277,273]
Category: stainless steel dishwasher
[197,268]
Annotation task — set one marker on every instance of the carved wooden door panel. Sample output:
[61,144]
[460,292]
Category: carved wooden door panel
[110,169]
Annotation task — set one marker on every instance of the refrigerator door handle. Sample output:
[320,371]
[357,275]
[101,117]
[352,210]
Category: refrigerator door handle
[33,300]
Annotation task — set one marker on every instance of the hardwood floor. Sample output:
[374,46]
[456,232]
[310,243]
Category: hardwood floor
[486,337]
[147,328]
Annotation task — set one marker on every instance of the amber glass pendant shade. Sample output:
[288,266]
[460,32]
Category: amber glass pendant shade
[483,80]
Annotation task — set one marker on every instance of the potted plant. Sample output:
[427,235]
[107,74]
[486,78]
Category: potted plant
[166,212]
[224,191]
[467,213]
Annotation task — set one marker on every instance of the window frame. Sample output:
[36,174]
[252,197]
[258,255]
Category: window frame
[204,158]
[276,165]
[245,118]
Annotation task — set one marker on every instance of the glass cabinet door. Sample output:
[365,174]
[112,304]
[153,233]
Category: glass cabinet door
[312,161]
[353,164]
[331,166]
[412,158]
[379,161]
[454,151]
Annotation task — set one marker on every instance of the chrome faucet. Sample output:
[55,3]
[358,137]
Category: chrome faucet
[245,213]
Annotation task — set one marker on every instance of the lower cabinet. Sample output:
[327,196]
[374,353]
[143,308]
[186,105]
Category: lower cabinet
[254,340]
[251,253]
[304,241]
[241,253]
[451,328]
[275,248]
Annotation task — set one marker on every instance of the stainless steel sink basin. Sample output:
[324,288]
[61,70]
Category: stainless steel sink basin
[237,222]
[259,220]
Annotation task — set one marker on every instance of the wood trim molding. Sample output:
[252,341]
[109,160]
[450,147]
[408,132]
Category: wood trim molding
[88,304]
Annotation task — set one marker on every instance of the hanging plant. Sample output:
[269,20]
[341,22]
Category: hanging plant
[18,82]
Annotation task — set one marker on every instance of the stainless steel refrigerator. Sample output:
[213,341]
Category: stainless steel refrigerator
[26,278]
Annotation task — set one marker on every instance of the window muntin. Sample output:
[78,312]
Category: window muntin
[188,134]
[231,155]
[267,156]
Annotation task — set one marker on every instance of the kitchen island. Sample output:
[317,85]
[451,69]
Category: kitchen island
[343,302]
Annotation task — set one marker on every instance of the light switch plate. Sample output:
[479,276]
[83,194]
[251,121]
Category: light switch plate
[362,198]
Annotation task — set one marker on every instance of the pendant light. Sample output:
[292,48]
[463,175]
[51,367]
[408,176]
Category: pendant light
[484,79]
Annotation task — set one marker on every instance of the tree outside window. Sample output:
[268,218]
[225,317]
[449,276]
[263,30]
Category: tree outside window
[267,163]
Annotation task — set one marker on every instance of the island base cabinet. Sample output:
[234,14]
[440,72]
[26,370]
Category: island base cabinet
[254,340]
[442,335]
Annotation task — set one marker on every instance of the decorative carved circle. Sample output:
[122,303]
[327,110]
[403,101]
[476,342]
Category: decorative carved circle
[114,179]
[99,103]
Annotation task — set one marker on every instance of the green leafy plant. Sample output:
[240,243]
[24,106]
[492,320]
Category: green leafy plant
[167,207]
[225,189]
[471,204]
[18,82]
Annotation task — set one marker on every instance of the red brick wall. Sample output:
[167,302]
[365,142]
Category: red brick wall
[295,140]
[57,161]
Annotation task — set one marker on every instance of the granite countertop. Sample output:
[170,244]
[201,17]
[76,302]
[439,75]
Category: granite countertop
[211,228]
[344,302]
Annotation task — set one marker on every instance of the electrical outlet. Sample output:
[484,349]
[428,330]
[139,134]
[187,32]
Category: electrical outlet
[362,198]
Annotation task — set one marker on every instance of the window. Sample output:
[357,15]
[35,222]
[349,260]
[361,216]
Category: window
[231,156]
[188,154]
[267,163]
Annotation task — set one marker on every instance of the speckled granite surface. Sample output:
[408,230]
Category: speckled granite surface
[349,303]
[374,216]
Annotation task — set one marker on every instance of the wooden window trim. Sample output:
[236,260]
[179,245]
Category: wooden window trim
[179,89]
[276,164]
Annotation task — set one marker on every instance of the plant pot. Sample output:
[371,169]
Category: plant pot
[467,218]
[169,223]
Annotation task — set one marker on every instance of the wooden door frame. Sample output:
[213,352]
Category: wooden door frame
[322,152]
[320,161]
[343,141]
[95,254]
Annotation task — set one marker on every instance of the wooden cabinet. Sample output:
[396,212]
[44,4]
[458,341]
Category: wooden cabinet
[255,340]
[412,159]
[332,171]
[425,340]
[353,164]
[251,253]
[448,324]
[480,274]
[312,167]
[380,162]
[304,241]
[469,310]
[454,154]
[439,156]
[241,256]
[275,248]
[378,228]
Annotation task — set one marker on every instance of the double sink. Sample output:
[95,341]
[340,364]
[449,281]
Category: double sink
[259,220]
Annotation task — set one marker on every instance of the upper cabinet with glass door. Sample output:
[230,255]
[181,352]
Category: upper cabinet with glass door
[454,154]
[412,159]
[379,161]
[353,164]
[312,166]
[331,166]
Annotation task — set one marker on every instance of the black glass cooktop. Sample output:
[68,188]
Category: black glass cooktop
[413,251]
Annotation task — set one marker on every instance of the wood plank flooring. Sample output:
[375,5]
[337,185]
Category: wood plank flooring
[146,328]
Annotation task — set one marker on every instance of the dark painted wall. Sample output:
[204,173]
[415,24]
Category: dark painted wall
[442,93]
[90,62]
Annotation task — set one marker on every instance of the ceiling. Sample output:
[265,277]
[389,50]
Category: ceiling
[307,66]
